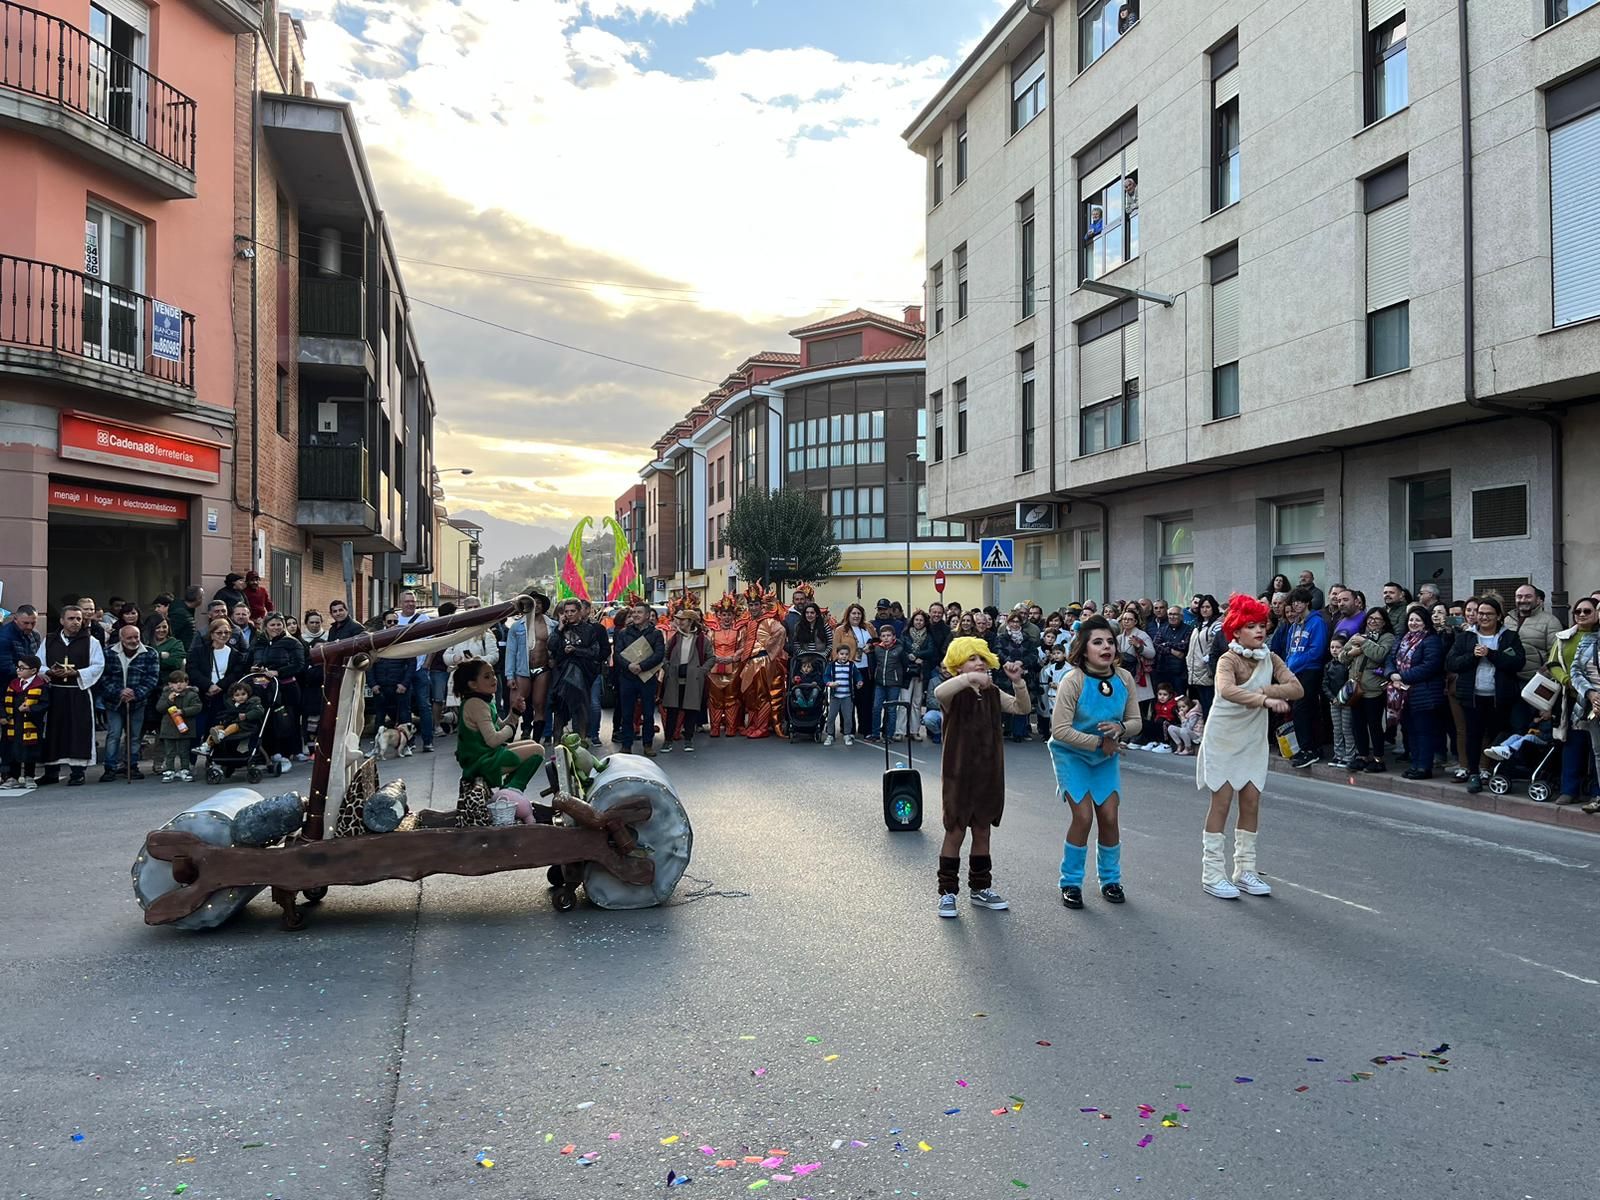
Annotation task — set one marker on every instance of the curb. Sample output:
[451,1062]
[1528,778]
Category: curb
[1451,793]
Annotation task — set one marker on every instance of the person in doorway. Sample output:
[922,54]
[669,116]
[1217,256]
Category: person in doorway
[638,678]
[1096,714]
[1251,681]
[973,767]
[74,662]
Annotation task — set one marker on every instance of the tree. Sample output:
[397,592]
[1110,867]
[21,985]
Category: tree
[783,526]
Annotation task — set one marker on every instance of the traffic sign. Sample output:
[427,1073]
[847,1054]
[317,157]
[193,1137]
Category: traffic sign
[938,582]
[996,555]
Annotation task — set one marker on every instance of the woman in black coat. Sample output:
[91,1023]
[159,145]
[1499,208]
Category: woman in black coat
[1485,667]
[214,666]
[279,654]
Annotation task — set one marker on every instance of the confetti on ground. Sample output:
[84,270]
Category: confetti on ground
[1243,1079]
[950,1112]
[1018,1183]
[962,1083]
[805,1169]
[1041,1043]
[747,1037]
[1105,1116]
[1146,1140]
[759,1072]
[1316,1060]
[1183,1085]
[484,1161]
[725,1163]
[708,1151]
[1303,1088]
[924,1147]
[586,1104]
[589,1159]
[187,1158]
[998,1112]
[758,1185]
[769,1164]
[252,1145]
[1440,1048]
[812,1041]
[666,1141]
[1183,1108]
[77,1137]
[548,1138]
[837,1142]
[857,1145]
[980,1015]
[783,1179]
[568,1148]
[613,1137]
[1088,1110]
[830,1058]
[180,1189]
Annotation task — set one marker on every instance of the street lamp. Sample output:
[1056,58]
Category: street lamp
[452,470]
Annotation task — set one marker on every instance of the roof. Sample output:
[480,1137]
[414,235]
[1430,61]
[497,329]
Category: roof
[962,73]
[858,316]
[770,358]
[904,352]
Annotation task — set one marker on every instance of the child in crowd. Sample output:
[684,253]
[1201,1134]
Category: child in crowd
[241,716]
[1163,712]
[1185,730]
[806,691]
[180,706]
[841,690]
[974,765]
[1056,669]
[1537,738]
[891,669]
[485,748]
[27,699]
[1334,678]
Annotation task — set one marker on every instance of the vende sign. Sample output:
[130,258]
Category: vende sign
[118,504]
[92,439]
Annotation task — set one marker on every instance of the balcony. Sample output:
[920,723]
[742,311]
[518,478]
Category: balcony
[78,330]
[337,494]
[59,83]
[333,326]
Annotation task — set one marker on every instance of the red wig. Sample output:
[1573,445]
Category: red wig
[1242,610]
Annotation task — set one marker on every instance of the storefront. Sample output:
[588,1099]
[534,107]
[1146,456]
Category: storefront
[107,543]
[867,576]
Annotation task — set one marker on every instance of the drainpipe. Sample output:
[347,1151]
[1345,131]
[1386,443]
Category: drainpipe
[255,259]
[1558,565]
[1050,117]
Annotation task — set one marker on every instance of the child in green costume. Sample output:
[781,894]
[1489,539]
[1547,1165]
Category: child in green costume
[484,746]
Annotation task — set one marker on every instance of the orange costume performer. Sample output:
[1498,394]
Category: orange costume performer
[763,676]
[731,631]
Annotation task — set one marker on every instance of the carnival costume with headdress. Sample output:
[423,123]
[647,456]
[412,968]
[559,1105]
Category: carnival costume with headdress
[1233,753]
[731,633]
[1083,770]
[973,765]
[761,679]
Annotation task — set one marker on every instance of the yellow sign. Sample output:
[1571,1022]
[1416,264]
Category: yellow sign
[923,562]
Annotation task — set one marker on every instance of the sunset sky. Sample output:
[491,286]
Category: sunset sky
[674,182]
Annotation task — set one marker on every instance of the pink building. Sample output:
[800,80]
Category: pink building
[117,139]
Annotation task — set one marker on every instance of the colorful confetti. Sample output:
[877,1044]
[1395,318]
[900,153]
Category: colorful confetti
[568,1148]
[998,1112]
[812,1041]
[1146,1140]
[1303,1088]
[77,1137]
[1018,1183]
[666,1141]
[950,1112]
[924,1147]
[830,1058]
[962,1083]
[1041,1043]
[1243,1079]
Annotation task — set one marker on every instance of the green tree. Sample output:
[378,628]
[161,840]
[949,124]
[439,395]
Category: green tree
[782,525]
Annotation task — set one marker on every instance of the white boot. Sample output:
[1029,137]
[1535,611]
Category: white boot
[1212,877]
[1244,864]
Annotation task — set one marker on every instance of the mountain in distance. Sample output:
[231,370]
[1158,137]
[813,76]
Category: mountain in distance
[504,539]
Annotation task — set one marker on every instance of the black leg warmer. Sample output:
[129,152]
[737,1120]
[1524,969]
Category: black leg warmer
[980,872]
[949,875]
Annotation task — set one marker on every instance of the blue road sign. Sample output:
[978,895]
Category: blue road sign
[997,555]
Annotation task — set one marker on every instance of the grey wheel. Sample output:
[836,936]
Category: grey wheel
[1498,784]
[1539,792]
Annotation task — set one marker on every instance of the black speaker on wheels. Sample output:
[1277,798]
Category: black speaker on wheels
[902,786]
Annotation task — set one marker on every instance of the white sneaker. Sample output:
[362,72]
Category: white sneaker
[1222,890]
[168,776]
[28,784]
[1498,753]
[988,898]
[828,741]
[1252,884]
[186,776]
[849,740]
[947,905]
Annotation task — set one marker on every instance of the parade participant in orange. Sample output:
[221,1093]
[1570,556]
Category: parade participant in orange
[731,635]
[762,678]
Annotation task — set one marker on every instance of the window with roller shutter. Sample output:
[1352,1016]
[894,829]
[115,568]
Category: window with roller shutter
[1110,357]
[1225,333]
[1572,113]
[1388,207]
[1500,512]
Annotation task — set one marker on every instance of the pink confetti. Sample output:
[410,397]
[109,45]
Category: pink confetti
[998,1112]
[1183,1108]
[768,1164]
[961,1083]
[805,1169]
[1145,1141]
[708,1151]
[857,1145]
[759,1072]
[613,1137]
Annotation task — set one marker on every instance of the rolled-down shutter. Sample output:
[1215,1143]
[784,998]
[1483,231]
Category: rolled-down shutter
[1100,369]
[1226,88]
[1389,255]
[1225,322]
[1575,218]
[1380,12]
[1101,177]
[1132,351]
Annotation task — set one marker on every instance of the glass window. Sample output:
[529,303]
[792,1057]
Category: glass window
[1026,243]
[938,296]
[1298,532]
[936,529]
[961,149]
[1027,85]
[936,402]
[922,435]
[1389,88]
[1225,391]
[1574,239]
[1175,556]
[938,173]
[834,349]
[1560,10]
[1026,414]
[1110,214]
[1389,339]
[1428,509]
[961,281]
[1227,146]
[961,416]
[1100,24]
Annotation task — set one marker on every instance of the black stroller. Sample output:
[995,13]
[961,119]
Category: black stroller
[805,699]
[247,749]
[1533,762]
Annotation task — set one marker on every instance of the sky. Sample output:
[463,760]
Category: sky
[676,183]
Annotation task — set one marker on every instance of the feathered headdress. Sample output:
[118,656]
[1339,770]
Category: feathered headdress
[1242,610]
[963,648]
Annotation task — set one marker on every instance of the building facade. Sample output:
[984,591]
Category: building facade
[1196,272]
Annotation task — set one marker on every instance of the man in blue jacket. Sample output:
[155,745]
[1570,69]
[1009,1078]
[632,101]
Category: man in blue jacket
[1308,655]
[637,679]
[132,672]
[18,636]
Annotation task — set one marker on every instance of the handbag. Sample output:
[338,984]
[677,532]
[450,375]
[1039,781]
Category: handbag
[1541,692]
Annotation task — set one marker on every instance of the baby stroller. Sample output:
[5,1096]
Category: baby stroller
[246,749]
[1530,762]
[806,696]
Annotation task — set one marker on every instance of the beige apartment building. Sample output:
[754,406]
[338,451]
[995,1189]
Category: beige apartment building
[1196,300]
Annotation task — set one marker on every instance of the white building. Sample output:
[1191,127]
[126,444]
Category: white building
[1195,288]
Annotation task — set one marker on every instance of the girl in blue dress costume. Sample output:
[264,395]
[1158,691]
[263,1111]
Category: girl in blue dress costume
[1096,712]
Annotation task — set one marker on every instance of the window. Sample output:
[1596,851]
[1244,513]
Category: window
[1560,10]
[1225,334]
[961,416]
[1110,351]
[1091,559]
[722,535]
[1500,512]
[839,435]
[934,529]
[937,401]
[1175,555]
[857,514]
[1388,271]
[961,282]
[1100,24]
[1225,124]
[922,435]
[1572,112]
[1027,247]
[283,403]
[1298,532]
[1025,414]
[1027,85]
[113,261]
[1428,531]
[834,349]
[118,93]
[1109,189]
[1387,88]
[961,149]
[938,296]
[722,478]
[938,173]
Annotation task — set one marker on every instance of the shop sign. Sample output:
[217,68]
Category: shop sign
[135,505]
[880,562]
[94,439]
[211,520]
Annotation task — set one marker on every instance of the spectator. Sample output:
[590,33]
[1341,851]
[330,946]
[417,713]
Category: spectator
[1199,659]
[1279,583]
[1366,654]
[184,615]
[1309,582]
[683,690]
[257,598]
[231,592]
[1011,645]
[22,721]
[1172,650]
[1416,688]
[637,679]
[891,671]
[94,620]
[160,610]
[1487,682]
[178,708]
[244,633]
[1308,653]
[1396,600]
[1334,678]
[217,610]
[810,630]
[283,657]
[1585,682]
[857,634]
[18,636]
[1136,652]
[74,661]
[392,680]
[921,655]
[1536,629]
[1568,713]
[132,674]
[1428,595]
[579,653]
[420,686]
[1343,610]
[214,667]
[341,624]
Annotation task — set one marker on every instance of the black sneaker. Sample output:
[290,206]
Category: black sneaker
[1113,892]
[1072,897]
[1415,774]
[77,779]
[136,774]
[108,776]
[1375,766]
[1474,783]
[1304,759]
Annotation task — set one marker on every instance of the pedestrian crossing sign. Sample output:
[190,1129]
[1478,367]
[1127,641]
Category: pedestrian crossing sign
[996,555]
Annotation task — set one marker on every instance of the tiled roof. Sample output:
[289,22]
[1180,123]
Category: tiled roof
[771,358]
[904,352]
[857,316]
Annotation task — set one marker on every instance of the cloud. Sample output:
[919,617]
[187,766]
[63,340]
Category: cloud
[729,207]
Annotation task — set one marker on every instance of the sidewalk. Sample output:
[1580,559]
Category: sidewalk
[1443,790]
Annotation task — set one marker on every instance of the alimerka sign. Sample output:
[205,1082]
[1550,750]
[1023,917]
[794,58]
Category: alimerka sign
[94,439]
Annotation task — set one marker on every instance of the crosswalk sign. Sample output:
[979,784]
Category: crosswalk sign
[996,555]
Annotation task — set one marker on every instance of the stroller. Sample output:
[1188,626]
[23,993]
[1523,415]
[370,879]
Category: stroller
[806,696]
[1532,762]
[246,749]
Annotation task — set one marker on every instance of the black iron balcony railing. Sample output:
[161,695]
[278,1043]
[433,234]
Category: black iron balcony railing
[335,473]
[46,57]
[46,307]
[334,308]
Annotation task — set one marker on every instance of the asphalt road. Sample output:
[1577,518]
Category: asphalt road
[811,1006]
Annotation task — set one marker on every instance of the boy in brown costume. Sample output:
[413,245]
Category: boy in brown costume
[974,765]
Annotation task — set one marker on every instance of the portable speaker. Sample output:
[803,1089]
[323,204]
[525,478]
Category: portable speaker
[902,786]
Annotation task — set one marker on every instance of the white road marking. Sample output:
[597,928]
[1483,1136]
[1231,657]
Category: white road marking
[1446,835]
[1325,895]
[1548,967]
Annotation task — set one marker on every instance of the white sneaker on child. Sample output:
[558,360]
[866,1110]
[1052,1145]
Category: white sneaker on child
[828,741]
[849,740]
[1498,753]
[947,905]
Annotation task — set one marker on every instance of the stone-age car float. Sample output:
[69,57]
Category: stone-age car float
[620,829]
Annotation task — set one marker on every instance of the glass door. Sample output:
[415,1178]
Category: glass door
[113,266]
[118,94]
[1429,531]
